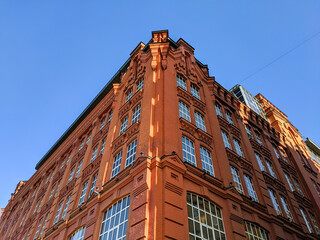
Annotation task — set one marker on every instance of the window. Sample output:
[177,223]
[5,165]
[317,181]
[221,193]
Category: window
[124,124]
[81,145]
[259,160]
[316,186]
[43,226]
[289,182]
[78,170]
[38,229]
[116,165]
[102,124]
[188,151]
[258,137]
[275,202]
[250,188]
[314,222]
[131,153]
[184,111]
[199,121]
[140,85]
[52,191]
[78,235]
[306,220]
[286,207]
[110,116]
[236,179]
[181,82]
[103,145]
[115,220]
[204,218]
[225,139]
[238,147]
[229,117]
[57,190]
[206,161]
[94,154]
[270,168]
[136,114]
[88,139]
[129,95]
[58,214]
[283,155]
[248,131]
[218,110]
[62,164]
[253,231]
[66,208]
[275,151]
[66,163]
[93,184]
[296,183]
[71,175]
[83,194]
[195,91]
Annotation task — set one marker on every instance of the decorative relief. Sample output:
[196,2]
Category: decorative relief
[254,144]
[187,126]
[66,189]
[79,155]
[184,94]
[235,131]
[140,189]
[58,175]
[199,104]
[126,107]
[42,191]
[91,168]
[265,151]
[223,123]
[236,218]
[131,131]
[173,188]
[240,161]
[103,132]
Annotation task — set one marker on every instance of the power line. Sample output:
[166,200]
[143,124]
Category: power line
[281,56]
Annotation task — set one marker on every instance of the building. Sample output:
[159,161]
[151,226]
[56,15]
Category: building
[165,152]
[314,152]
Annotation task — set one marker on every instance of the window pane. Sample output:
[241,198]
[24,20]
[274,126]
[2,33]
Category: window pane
[225,139]
[140,85]
[184,111]
[195,91]
[131,153]
[236,180]
[206,161]
[181,82]
[199,121]
[218,110]
[238,147]
[250,188]
[275,202]
[188,151]
[136,114]
[124,124]
[78,235]
[255,232]
[116,165]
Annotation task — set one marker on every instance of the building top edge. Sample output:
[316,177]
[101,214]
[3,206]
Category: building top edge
[86,111]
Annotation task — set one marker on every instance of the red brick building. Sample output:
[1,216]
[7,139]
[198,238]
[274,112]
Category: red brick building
[165,152]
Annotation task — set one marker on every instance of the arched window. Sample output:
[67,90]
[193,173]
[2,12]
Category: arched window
[254,231]
[204,218]
[78,235]
[115,220]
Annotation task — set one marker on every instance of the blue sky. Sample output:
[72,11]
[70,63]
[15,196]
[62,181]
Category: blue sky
[55,56]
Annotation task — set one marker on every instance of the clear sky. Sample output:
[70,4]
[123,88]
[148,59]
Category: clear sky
[55,56]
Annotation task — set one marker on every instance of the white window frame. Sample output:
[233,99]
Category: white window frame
[195,91]
[129,95]
[116,165]
[94,154]
[184,111]
[218,109]
[131,153]
[83,193]
[206,161]
[181,82]
[140,85]
[199,121]
[229,117]
[136,114]
[270,169]
[124,124]
[236,179]
[66,208]
[188,151]
[254,231]
[225,139]
[260,162]
[93,184]
[58,214]
[237,146]
[250,187]
[79,234]
[275,203]
[79,168]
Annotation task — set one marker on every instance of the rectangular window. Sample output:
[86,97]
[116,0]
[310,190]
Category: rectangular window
[248,131]
[258,137]
[103,145]
[102,124]
[52,191]
[270,169]
[44,225]
[94,154]
[229,117]
[38,229]
[286,207]
[116,165]
[83,194]
[65,208]
[259,160]
[62,165]
[124,124]
[66,163]
[58,214]
[218,110]
[250,188]
[206,161]
[81,145]
[306,220]
[238,147]
[199,121]
[188,151]
[275,202]
[184,111]
[136,114]
[289,182]
[140,85]
[225,139]
[110,116]
[236,180]
[195,91]
[296,183]
[131,153]
[129,95]
[314,222]
[275,151]
[71,175]
[57,190]
[181,82]
[88,139]
[78,170]
[93,184]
